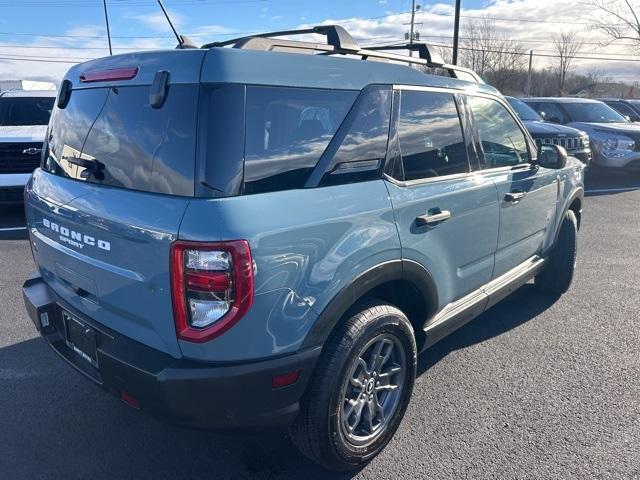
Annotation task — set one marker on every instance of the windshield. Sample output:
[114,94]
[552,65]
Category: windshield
[524,111]
[593,113]
[19,111]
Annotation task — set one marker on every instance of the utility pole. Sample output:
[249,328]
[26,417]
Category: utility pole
[530,72]
[106,20]
[456,32]
[413,18]
[412,33]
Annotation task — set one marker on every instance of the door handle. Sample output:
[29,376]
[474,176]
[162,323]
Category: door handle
[430,219]
[514,197]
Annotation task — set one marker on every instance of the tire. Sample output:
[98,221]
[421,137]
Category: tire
[557,275]
[333,432]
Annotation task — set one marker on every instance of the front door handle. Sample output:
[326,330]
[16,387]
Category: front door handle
[433,217]
[515,196]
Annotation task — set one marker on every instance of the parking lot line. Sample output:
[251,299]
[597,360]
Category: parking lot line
[12,229]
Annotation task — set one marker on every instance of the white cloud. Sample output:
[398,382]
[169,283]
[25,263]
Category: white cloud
[157,21]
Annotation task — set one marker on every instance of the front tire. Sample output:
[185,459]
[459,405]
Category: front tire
[360,391]
[557,275]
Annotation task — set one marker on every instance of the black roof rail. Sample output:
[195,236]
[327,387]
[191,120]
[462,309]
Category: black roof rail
[337,37]
[340,42]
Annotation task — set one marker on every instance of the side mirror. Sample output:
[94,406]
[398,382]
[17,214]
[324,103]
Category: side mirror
[552,156]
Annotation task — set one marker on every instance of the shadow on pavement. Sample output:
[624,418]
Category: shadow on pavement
[55,424]
[523,305]
[12,223]
[598,181]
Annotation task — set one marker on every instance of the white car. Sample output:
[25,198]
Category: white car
[24,116]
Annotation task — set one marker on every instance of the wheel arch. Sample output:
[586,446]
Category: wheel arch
[403,283]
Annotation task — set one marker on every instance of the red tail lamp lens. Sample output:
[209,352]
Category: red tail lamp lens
[109,75]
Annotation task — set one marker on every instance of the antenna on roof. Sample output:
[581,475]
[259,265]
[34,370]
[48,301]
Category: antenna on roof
[183,42]
[106,20]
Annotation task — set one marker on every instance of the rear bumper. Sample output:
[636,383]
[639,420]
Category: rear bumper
[180,391]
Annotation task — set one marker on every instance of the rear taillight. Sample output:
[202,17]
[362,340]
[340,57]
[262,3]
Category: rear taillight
[211,287]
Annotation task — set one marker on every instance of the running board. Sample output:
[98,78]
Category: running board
[458,313]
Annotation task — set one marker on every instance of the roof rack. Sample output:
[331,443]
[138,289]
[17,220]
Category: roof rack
[340,42]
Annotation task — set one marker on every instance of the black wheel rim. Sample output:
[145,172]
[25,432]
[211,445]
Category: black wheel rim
[372,390]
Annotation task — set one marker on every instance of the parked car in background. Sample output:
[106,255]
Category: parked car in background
[575,142]
[24,115]
[629,108]
[615,141]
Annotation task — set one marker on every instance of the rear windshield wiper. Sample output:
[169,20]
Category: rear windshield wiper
[91,167]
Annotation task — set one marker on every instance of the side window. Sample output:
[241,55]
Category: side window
[430,134]
[287,130]
[625,110]
[503,142]
[552,113]
[362,139]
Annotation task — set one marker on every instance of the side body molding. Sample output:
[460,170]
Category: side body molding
[395,270]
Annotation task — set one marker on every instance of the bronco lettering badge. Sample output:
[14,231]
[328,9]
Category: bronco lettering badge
[75,239]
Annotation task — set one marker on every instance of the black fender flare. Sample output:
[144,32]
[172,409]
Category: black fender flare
[366,281]
[577,194]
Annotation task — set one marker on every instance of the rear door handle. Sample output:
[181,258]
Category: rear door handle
[514,196]
[432,218]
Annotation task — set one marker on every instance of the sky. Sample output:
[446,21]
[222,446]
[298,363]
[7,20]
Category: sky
[69,31]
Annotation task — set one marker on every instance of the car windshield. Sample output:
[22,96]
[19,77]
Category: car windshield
[593,113]
[524,111]
[19,111]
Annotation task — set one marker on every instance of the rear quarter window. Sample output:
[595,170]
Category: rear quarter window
[287,131]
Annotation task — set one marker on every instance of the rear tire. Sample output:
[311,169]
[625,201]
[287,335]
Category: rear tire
[360,391]
[557,275]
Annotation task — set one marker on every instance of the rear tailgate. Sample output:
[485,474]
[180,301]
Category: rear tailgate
[101,240]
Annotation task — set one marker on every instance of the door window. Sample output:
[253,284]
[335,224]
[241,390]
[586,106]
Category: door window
[503,142]
[551,112]
[431,139]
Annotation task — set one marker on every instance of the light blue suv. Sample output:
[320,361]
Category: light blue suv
[243,235]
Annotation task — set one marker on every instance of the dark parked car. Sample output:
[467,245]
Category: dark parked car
[234,236]
[630,108]
[615,141]
[575,142]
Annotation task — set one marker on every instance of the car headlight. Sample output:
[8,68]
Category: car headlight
[608,141]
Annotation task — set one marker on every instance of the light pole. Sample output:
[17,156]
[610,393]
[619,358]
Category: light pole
[456,31]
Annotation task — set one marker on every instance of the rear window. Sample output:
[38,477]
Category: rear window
[287,130]
[21,111]
[128,143]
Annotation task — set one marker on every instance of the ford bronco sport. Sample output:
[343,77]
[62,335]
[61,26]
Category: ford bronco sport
[244,235]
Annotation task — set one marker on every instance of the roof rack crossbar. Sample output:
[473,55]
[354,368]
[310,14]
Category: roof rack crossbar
[430,59]
[337,37]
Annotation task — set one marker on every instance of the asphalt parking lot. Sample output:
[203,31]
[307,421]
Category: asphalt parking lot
[531,389]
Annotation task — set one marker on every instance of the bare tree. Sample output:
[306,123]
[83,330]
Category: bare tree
[566,45]
[618,19]
[491,54]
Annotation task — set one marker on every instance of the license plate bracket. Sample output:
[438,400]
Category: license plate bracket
[81,338]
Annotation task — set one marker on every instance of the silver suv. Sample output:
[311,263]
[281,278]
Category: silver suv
[615,142]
